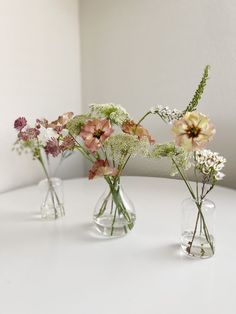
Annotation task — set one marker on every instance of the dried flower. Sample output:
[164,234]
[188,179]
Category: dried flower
[20,123]
[23,136]
[68,143]
[130,127]
[32,133]
[193,131]
[52,147]
[102,168]
[61,120]
[95,132]
[115,113]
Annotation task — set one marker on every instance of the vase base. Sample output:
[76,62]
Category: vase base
[200,247]
[51,213]
[107,227]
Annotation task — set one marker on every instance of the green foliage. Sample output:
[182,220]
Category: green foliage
[198,93]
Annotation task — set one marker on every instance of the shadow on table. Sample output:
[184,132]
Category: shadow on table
[20,216]
[167,253]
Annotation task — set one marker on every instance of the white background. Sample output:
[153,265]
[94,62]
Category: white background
[133,52]
[39,76]
[140,53]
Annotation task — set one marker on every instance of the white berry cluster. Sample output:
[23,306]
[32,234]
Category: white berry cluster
[210,163]
[167,114]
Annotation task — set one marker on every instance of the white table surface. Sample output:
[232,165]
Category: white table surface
[62,266]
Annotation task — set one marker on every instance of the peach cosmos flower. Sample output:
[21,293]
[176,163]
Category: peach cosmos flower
[193,131]
[130,127]
[95,132]
[102,168]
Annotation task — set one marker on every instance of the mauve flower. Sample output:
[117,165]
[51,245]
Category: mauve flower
[52,147]
[23,136]
[95,132]
[41,122]
[68,143]
[32,133]
[130,127]
[193,131]
[102,168]
[20,123]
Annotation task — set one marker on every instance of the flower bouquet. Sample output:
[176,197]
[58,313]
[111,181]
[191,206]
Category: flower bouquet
[43,140]
[192,131]
[108,138]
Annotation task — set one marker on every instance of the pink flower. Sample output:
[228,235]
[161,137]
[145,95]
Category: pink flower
[43,122]
[102,168]
[95,132]
[23,136]
[193,131]
[32,133]
[130,127]
[52,147]
[29,134]
[20,123]
[68,143]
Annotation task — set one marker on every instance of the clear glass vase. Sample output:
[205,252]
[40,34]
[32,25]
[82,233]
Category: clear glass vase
[114,214]
[52,206]
[198,224]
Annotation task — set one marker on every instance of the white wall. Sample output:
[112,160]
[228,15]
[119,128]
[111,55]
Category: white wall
[39,76]
[144,52]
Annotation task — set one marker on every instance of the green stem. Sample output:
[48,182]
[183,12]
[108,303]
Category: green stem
[51,188]
[117,200]
[198,206]
[85,153]
[113,221]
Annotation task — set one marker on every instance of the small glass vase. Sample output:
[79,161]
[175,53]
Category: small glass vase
[197,237]
[52,206]
[114,214]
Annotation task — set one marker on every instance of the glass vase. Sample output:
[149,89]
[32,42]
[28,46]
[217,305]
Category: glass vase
[114,214]
[52,206]
[197,237]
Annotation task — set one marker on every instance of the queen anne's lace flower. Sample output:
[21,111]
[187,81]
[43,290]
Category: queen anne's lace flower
[180,156]
[75,124]
[119,146]
[115,113]
[210,163]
